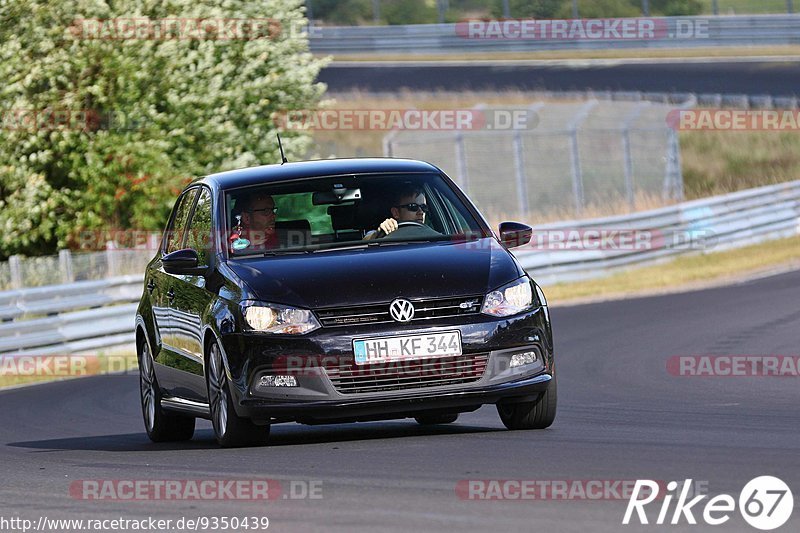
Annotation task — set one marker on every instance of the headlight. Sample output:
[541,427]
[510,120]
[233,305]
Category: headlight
[514,298]
[274,318]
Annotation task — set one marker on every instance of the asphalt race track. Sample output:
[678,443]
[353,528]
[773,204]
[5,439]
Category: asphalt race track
[775,78]
[622,416]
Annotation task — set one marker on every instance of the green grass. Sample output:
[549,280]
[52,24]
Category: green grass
[745,7]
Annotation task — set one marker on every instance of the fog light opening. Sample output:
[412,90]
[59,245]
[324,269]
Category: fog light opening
[524,358]
[278,381]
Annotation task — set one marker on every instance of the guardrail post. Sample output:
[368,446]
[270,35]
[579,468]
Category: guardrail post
[646,7]
[574,9]
[715,7]
[16,271]
[789,6]
[65,263]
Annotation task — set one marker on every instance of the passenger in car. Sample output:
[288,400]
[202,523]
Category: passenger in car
[254,227]
[408,206]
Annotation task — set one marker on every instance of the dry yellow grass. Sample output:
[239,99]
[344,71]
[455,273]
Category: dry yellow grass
[684,272]
[633,53]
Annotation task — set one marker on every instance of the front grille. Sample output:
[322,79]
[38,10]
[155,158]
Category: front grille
[349,378]
[377,314]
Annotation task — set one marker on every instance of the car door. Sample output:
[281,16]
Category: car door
[191,299]
[163,285]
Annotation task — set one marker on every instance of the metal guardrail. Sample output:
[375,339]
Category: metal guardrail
[699,226]
[713,31]
[88,315]
[62,319]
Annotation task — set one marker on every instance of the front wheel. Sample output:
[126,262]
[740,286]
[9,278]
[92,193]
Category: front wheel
[160,426]
[231,430]
[538,414]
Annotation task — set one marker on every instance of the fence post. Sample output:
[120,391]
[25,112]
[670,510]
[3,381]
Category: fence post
[522,181]
[65,263]
[673,178]
[715,7]
[789,6]
[646,7]
[626,151]
[506,9]
[376,11]
[461,163]
[111,259]
[575,9]
[575,155]
[16,272]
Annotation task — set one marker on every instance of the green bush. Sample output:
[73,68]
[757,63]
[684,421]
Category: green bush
[143,116]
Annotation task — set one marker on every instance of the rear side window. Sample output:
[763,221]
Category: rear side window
[198,237]
[176,230]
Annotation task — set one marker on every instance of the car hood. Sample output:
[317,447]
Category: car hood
[378,274]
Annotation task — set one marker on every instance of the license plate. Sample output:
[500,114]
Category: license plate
[384,349]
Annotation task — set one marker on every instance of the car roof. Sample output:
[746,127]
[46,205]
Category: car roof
[311,169]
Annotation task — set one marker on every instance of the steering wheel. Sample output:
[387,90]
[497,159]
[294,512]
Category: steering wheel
[409,227]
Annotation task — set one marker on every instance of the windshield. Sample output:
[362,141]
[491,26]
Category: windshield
[327,213]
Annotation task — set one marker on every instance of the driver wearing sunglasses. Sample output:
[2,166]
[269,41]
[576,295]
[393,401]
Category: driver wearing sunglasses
[409,207]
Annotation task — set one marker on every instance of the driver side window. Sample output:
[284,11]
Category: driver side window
[198,237]
[174,237]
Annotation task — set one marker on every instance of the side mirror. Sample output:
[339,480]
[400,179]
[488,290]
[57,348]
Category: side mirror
[513,234]
[182,262]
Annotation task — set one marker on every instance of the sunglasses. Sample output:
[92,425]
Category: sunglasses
[414,207]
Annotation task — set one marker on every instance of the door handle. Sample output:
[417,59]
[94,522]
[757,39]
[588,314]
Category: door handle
[171,295]
[151,286]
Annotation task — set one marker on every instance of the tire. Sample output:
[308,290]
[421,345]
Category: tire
[428,420]
[160,426]
[539,414]
[231,430]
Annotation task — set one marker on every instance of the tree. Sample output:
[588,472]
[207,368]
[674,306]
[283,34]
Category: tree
[103,125]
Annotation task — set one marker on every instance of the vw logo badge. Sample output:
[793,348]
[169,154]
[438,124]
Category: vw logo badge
[401,310]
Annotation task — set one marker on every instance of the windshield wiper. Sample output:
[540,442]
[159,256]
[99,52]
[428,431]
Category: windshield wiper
[284,252]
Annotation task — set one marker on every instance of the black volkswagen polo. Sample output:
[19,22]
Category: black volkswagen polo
[338,291]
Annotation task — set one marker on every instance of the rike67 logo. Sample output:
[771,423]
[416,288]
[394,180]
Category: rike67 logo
[766,503]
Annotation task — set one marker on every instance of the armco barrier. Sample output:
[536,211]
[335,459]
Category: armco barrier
[713,224]
[751,30]
[61,319]
[94,314]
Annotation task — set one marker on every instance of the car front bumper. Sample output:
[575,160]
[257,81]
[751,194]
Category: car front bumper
[318,399]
